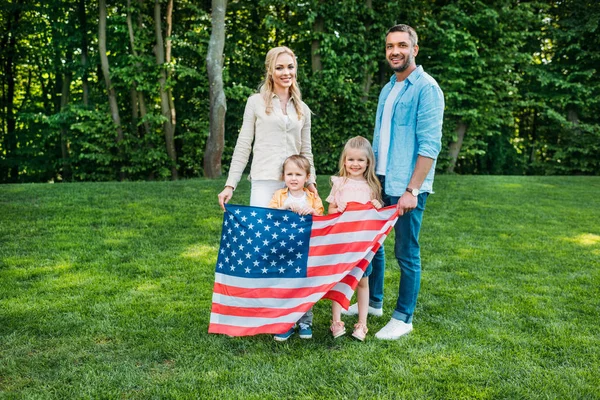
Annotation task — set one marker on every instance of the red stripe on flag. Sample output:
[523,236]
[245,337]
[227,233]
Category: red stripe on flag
[267,292]
[334,269]
[338,248]
[263,312]
[339,297]
[232,330]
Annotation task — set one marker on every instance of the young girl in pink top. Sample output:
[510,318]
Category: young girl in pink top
[356,182]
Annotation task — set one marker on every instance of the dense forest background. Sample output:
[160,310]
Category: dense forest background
[109,90]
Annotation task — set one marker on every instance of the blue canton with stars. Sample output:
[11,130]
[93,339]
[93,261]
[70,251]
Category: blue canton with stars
[261,242]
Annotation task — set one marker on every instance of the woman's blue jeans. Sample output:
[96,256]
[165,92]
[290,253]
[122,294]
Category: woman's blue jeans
[408,254]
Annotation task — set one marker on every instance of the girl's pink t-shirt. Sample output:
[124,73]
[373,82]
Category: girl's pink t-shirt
[346,190]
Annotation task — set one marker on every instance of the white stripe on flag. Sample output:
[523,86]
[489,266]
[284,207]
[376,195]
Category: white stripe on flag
[319,261]
[333,238]
[265,302]
[276,283]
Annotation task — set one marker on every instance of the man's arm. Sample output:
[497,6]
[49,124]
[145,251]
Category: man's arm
[430,116]
[407,201]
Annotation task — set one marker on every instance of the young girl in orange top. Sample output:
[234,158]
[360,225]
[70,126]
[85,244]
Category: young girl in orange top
[356,181]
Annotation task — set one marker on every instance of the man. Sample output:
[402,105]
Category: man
[407,141]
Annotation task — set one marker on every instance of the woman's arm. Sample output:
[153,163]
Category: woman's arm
[241,153]
[243,146]
[306,148]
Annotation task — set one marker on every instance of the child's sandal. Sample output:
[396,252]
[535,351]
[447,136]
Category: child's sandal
[360,331]
[337,329]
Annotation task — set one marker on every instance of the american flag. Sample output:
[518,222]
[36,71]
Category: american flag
[274,265]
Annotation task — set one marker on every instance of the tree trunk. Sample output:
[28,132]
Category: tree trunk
[84,53]
[27,94]
[10,139]
[141,98]
[371,64]
[58,68]
[528,124]
[135,115]
[318,28]
[573,118]
[218,105]
[64,141]
[168,128]
[168,59]
[45,86]
[455,146]
[112,97]
[138,99]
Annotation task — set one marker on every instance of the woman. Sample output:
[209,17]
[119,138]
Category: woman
[277,121]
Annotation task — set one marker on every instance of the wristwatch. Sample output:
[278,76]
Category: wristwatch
[414,192]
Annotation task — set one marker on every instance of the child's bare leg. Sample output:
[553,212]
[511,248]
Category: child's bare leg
[362,296]
[336,311]
[337,326]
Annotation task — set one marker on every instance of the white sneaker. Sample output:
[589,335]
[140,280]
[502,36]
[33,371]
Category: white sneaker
[394,330]
[353,310]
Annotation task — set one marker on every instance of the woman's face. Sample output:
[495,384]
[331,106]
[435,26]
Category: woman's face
[285,72]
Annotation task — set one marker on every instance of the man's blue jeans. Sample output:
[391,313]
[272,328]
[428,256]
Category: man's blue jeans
[408,254]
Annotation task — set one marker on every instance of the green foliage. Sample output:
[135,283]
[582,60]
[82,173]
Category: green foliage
[576,150]
[521,75]
[475,53]
[105,292]
[93,141]
[41,156]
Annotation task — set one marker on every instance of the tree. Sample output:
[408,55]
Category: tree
[520,80]
[218,105]
[571,91]
[166,102]
[9,44]
[112,97]
[137,99]
[318,26]
[467,44]
[84,53]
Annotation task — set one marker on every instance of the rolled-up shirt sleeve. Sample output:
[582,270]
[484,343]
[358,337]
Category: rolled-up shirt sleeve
[243,146]
[429,121]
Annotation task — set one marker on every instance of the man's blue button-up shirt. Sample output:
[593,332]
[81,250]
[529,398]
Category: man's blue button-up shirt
[416,129]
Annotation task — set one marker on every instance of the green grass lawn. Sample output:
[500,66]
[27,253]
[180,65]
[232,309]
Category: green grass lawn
[105,292]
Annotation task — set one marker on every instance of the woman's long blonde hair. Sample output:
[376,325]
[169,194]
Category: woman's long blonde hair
[267,85]
[360,143]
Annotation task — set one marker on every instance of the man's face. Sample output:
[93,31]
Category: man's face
[399,52]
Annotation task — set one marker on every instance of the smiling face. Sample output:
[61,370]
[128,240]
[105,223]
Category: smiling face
[356,163]
[294,176]
[284,72]
[400,52]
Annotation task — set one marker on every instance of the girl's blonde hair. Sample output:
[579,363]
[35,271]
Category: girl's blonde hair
[360,143]
[300,161]
[267,85]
